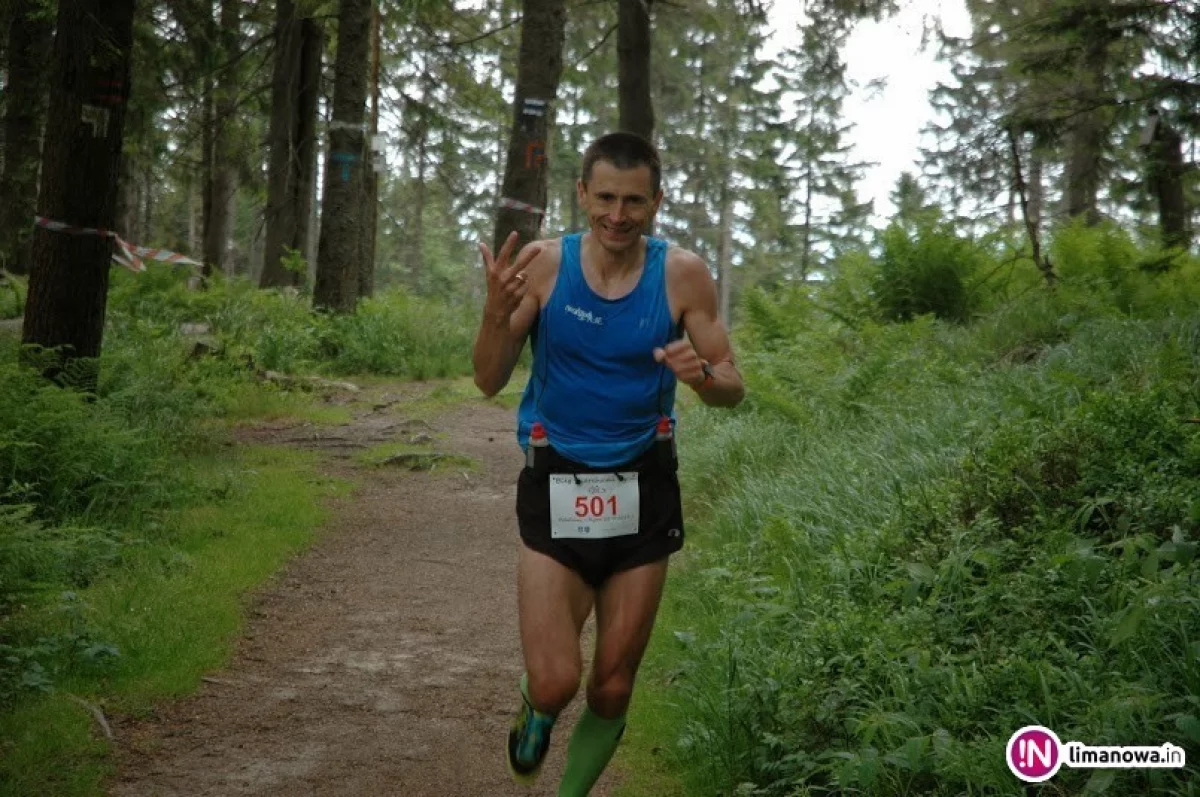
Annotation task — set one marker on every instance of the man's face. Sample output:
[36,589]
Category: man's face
[619,203]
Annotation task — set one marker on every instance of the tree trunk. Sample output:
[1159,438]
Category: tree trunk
[370,223]
[1031,226]
[312,45]
[281,210]
[68,285]
[570,195]
[1037,191]
[725,253]
[193,212]
[336,285]
[416,227]
[146,222]
[291,178]
[129,207]
[29,39]
[222,182]
[1166,171]
[806,241]
[207,210]
[523,196]
[1089,129]
[633,67]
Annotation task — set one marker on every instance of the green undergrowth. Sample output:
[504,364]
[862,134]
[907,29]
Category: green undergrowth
[131,527]
[915,538]
[149,630]
[394,334]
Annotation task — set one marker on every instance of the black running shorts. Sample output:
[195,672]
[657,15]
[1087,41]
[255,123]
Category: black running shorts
[660,518]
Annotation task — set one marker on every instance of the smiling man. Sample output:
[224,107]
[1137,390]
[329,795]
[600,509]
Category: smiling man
[598,502]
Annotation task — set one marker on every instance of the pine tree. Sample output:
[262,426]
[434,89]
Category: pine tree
[818,162]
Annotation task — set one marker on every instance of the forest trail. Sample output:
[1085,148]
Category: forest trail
[384,661]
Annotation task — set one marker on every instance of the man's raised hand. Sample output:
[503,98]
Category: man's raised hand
[506,284]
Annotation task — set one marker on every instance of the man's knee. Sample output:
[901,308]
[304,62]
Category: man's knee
[553,684]
[609,691]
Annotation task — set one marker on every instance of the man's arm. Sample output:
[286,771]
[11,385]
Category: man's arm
[694,292]
[508,314]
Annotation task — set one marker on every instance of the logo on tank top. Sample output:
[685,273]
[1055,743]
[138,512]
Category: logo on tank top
[585,315]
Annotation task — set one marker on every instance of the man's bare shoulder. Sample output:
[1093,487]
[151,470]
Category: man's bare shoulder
[543,269]
[547,260]
[686,268]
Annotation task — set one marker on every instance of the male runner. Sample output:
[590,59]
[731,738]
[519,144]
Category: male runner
[599,507]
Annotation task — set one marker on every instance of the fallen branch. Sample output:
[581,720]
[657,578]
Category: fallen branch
[97,714]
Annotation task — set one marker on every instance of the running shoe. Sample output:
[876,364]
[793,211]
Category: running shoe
[528,741]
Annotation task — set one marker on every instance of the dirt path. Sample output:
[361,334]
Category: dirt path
[385,660]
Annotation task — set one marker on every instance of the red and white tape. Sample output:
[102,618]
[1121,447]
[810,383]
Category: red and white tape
[516,204]
[126,255]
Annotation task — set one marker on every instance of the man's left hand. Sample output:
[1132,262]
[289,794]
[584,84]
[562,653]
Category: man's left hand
[682,359]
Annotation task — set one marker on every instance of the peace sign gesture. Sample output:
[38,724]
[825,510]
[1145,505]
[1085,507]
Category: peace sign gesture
[506,284]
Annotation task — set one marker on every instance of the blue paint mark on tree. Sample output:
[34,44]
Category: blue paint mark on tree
[347,161]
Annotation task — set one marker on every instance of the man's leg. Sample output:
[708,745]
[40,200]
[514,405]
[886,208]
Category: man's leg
[553,604]
[625,610]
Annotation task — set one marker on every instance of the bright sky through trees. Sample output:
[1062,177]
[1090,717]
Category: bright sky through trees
[887,124]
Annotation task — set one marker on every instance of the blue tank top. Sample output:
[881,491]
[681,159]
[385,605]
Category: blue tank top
[595,385]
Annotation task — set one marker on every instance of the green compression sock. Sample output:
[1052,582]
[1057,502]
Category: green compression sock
[591,747]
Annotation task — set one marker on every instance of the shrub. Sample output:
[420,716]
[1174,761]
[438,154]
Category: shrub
[927,272]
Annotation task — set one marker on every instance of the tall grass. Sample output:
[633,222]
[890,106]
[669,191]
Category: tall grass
[921,537]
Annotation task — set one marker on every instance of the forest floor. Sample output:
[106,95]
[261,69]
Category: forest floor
[384,660]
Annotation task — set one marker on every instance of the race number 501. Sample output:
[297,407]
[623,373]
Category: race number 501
[594,506]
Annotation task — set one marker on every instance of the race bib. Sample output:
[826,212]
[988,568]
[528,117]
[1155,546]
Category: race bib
[593,506]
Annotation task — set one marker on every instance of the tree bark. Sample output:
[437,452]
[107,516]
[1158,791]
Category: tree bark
[336,285]
[291,179]
[725,253]
[68,285]
[370,224]
[29,39]
[416,219]
[633,67]
[1031,225]
[523,195]
[281,210]
[312,45]
[129,207]
[1088,132]
[1165,170]
[207,199]
[222,182]
[1037,191]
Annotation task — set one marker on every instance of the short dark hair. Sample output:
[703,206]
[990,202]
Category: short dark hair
[625,151]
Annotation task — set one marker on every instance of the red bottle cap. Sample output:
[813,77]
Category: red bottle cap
[538,432]
[664,426]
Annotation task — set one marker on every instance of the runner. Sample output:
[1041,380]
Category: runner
[598,502]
